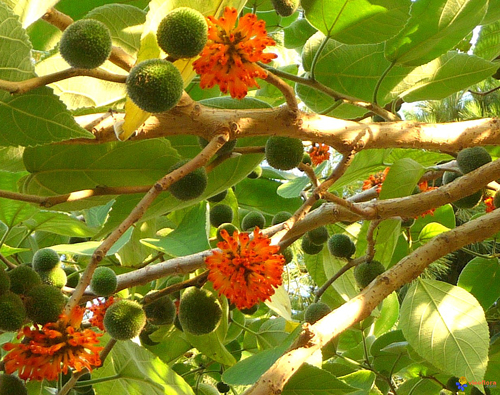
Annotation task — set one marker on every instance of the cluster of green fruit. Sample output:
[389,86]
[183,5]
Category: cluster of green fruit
[339,245]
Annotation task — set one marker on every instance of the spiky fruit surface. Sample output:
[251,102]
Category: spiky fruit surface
[191,185]
[285,7]
[316,311]
[44,303]
[255,173]
[155,85]
[341,246]
[161,311]
[310,248]
[218,198]
[45,259]
[199,312]
[86,44]
[124,319]
[4,281]
[284,153]
[318,235]
[12,312]
[230,228]
[23,278]
[220,214]
[182,33]
[366,272]
[253,219]
[288,254]
[280,217]
[225,149]
[104,281]
[12,385]
[470,159]
[56,277]
[72,279]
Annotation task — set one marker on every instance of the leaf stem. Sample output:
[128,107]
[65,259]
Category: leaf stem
[379,82]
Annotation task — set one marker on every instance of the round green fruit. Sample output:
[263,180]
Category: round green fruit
[4,281]
[191,185]
[12,385]
[306,159]
[183,33]
[472,158]
[252,220]
[155,85]
[72,276]
[124,319]
[56,277]
[284,153]
[280,217]
[44,303]
[318,235]
[255,173]
[287,254]
[230,228]
[45,259]
[366,272]
[220,214]
[12,312]
[86,44]
[310,248]
[316,311]
[199,312]
[341,246]
[104,281]
[218,198]
[161,311]
[285,7]
[227,148]
[23,278]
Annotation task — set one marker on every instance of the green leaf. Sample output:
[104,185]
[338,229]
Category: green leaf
[434,27]
[211,346]
[11,159]
[480,278]
[314,265]
[362,379]
[139,372]
[24,121]
[172,343]
[390,359]
[298,33]
[229,102]
[443,76]
[345,285]
[6,251]
[388,315]
[430,231]
[440,320]
[357,21]
[493,13]
[401,179]
[30,11]
[488,41]
[315,381]
[59,223]
[443,215]
[13,212]
[294,187]
[188,238]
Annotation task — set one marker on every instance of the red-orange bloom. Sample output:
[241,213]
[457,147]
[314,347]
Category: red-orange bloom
[490,206]
[245,270]
[98,310]
[424,187]
[47,351]
[229,56]
[319,153]
[375,180]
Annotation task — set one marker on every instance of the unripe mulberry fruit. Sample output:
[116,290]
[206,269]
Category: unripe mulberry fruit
[366,272]
[161,311]
[191,185]
[45,259]
[199,312]
[72,276]
[218,198]
[56,277]
[472,158]
[310,248]
[86,44]
[124,319]
[12,385]
[23,278]
[104,281]
[228,227]
[318,235]
[285,7]
[253,219]
[12,312]
[220,214]
[341,246]
[182,33]
[155,85]
[316,311]
[44,303]
[4,281]
[284,153]
[280,217]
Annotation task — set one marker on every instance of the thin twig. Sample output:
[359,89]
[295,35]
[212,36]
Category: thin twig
[310,173]
[370,248]
[7,262]
[286,89]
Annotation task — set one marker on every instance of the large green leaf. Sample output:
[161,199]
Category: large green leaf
[446,325]
[13,212]
[138,372]
[357,21]
[430,231]
[443,76]
[434,27]
[11,159]
[25,121]
[58,223]
[345,285]
[493,13]
[488,41]
[298,33]
[401,179]
[315,381]
[480,278]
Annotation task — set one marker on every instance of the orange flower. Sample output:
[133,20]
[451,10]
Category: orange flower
[424,187]
[375,180]
[45,352]
[98,310]
[229,56]
[490,206]
[319,153]
[245,270]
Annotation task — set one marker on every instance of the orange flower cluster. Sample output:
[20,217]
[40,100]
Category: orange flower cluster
[375,180]
[230,55]
[319,153]
[424,187]
[490,206]
[245,270]
[45,352]
[98,310]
